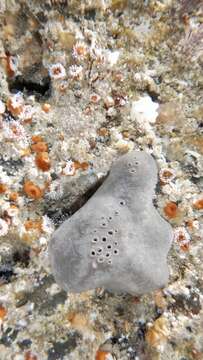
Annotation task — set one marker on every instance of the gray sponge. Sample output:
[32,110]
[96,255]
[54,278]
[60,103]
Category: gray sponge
[117,240]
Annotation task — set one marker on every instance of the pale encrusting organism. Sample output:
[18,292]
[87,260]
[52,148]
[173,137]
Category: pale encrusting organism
[117,240]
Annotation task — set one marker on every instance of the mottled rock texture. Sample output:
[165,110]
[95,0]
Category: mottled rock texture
[117,240]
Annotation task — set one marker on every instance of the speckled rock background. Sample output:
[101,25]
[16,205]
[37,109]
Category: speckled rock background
[71,75]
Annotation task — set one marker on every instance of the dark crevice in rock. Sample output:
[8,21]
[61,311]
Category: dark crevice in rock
[58,211]
[86,196]
[29,87]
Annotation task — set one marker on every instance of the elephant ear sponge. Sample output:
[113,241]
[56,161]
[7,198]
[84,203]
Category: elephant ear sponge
[117,240]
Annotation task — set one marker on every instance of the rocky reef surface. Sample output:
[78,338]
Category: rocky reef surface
[81,83]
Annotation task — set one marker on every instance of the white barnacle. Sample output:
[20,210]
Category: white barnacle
[76,72]
[166,175]
[80,50]
[181,236]
[57,71]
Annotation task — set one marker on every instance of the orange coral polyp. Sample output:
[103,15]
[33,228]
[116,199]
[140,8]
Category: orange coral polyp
[40,146]
[101,355]
[31,190]
[198,205]
[37,138]
[185,247]
[13,196]
[42,161]
[3,188]
[170,210]
[3,312]
[46,107]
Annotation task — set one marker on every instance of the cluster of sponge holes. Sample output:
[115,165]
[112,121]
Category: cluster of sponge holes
[132,167]
[104,247]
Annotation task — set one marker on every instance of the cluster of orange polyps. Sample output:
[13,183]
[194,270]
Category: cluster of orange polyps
[42,159]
